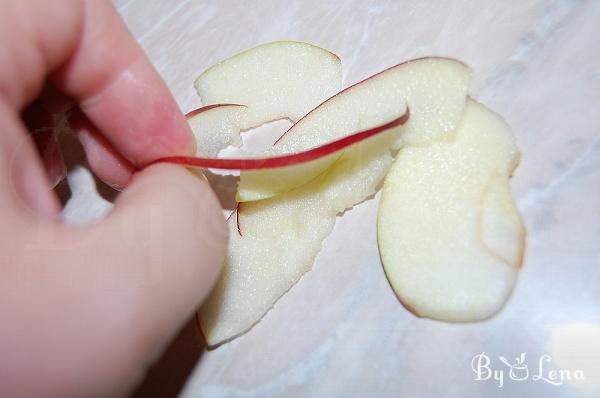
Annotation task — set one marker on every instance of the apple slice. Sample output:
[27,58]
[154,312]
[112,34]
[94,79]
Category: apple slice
[282,235]
[449,234]
[433,88]
[215,127]
[282,79]
[280,238]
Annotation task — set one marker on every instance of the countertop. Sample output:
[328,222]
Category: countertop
[341,331]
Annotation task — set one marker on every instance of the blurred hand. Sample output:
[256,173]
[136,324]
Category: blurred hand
[86,310]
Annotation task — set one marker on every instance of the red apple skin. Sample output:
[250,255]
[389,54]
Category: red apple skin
[409,307]
[362,81]
[237,218]
[285,160]
[404,303]
[197,111]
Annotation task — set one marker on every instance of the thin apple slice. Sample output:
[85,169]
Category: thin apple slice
[282,79]
[308,157]
[215,127]
[281,237]
[449,235]
[434,89]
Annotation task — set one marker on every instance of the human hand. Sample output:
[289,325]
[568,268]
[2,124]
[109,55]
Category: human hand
[86,310]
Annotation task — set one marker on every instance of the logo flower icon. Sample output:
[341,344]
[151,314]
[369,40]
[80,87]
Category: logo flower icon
[519,371]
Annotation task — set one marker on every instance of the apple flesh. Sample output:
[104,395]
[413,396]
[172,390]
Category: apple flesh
[282,79]
[449,234]
[433,88]
[216,127]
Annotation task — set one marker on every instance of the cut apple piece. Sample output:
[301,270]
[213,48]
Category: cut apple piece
[449,234]
[434,89]
[215,127]
[281,237]
[277,80]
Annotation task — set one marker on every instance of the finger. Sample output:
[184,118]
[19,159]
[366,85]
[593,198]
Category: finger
[107,163]
[96,62]
[167,243]
[119,90]
[115,292]
[170,238]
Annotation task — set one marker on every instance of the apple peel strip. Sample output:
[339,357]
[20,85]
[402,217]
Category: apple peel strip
[284,160]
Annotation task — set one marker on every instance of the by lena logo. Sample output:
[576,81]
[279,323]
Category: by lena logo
[519,370]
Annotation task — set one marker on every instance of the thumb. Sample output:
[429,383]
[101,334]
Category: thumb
[114,293]
[168,232]
[164,243]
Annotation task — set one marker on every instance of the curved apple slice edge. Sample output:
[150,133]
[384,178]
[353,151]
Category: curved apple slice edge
[310,155]
[316,75]
[216,127]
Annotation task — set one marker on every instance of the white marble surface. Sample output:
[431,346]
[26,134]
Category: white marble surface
[340,331]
